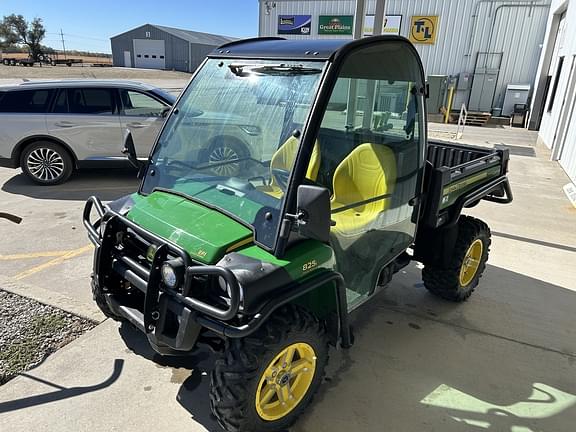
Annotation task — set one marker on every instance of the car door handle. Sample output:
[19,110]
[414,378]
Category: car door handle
[65,124]
[136,125]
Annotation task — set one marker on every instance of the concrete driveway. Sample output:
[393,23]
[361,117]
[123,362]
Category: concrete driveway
[503,361]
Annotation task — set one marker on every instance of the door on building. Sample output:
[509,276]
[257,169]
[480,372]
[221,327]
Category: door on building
[149,54]
[127,59]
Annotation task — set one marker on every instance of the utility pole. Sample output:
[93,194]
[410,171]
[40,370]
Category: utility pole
[352,87]
[63,46]
[359,16]
[379,12]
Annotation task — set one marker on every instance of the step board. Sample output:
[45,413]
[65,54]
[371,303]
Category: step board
[477,118]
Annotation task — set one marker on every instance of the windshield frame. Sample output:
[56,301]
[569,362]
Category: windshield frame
[323,65]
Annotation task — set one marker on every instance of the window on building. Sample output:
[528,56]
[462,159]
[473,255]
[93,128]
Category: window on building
[146,56]
[555,86]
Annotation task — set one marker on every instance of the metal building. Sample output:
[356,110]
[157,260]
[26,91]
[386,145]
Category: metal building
[554,104]
[487,44]
[158,47]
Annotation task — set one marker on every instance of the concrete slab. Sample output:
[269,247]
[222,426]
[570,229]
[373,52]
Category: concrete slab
[503,361]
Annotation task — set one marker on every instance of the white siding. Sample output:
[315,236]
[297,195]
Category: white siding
[517,31]
[563,145]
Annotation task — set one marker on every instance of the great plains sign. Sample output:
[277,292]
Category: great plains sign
[335,24]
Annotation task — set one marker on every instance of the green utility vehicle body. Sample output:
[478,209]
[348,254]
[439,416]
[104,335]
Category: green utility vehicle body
[344,196]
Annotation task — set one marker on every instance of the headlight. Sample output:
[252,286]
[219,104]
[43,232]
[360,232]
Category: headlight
[226,288]
[172,272]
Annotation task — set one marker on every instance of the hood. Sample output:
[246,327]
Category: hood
[204,233]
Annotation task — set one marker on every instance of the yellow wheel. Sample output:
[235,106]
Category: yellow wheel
[471,262]
[285,381]
[265,381]
[457,279]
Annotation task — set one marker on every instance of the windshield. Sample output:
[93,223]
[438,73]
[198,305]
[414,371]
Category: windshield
[232,139]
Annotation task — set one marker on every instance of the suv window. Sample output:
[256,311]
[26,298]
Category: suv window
[25,101]
[141,105]
[91,101]
[61,103]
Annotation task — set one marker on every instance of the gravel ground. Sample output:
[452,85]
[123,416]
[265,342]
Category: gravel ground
[60,72]
[31,331]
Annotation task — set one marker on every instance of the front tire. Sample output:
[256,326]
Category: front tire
[98,296]
[266,380]
[223,150]
[459,279]
[46,163]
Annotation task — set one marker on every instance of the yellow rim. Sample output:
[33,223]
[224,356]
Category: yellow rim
[285,381]
[471,262]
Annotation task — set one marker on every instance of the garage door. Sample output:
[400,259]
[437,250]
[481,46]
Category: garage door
[149,54]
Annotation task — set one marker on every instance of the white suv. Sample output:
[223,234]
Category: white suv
[50,128]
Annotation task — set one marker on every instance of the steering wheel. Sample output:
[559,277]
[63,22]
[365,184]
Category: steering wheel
[281,176]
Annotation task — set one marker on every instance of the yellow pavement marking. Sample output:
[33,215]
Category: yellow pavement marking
[55,261]
[32,255]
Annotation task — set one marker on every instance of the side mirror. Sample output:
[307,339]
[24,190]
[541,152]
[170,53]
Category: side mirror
[130,151]
[165,112]
[313,216]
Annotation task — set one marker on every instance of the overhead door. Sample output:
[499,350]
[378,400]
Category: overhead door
[149,54]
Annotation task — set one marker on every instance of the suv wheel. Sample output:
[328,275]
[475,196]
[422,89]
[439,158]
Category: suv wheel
[46,163]
[224,150]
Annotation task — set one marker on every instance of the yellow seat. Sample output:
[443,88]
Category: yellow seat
[283,159]
[367,173]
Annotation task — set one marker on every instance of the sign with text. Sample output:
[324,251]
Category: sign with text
[335,24]
[423,29]
[391,25]
[294,24]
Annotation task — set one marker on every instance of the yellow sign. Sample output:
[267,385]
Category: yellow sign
[423,29]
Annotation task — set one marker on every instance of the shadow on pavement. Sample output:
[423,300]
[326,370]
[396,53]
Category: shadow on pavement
[191,371]
[62,392]
[502,362]
[108,184]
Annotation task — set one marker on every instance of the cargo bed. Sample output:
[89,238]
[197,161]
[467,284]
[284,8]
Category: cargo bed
[460,176]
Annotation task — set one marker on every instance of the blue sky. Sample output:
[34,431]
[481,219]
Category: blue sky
[88,24]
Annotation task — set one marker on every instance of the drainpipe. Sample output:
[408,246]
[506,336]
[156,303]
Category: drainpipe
[493,24]
[517,6]
[475,17]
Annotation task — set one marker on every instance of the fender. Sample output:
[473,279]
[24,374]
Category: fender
[17,150]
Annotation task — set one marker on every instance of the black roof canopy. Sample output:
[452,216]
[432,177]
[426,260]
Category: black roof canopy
[300,49]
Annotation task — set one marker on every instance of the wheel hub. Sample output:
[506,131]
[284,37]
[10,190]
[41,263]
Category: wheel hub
[45,164]
[471,262]
[285,381]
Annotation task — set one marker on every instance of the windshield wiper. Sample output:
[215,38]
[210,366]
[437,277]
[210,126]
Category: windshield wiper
[245,70]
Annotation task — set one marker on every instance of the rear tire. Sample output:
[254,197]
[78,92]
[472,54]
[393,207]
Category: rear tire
[46,163]
[459,279]
[255,366]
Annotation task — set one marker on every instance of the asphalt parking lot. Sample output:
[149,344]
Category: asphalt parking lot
[503,361]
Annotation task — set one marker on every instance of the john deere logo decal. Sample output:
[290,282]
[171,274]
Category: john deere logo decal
[151,252]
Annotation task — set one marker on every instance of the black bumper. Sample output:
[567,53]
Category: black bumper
[8,163]
[172,319]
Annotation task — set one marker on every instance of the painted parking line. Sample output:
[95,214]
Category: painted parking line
[59,260]
[32,255]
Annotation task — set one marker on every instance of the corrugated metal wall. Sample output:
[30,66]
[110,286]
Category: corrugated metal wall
[502,26]
[177,50]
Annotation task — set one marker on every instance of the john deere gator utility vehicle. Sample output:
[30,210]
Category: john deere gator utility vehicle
[266,259]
